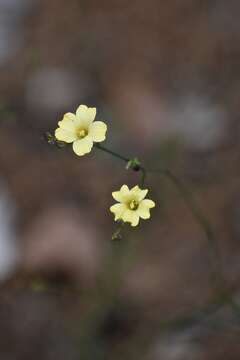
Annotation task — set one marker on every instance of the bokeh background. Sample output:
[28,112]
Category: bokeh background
[164,76]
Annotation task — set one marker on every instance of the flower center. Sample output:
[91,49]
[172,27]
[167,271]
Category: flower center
[133,205]
[82,133]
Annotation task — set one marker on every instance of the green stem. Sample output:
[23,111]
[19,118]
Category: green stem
[203,222]
[113,153]
[217,273]
[143,177]
[126,160]
[188,320]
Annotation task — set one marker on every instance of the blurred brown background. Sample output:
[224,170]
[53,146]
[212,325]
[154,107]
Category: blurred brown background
[164,76]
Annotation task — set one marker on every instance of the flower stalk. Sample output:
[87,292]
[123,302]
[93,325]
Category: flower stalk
[84,133]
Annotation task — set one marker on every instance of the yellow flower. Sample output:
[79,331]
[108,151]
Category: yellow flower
[132,205]
[81,130]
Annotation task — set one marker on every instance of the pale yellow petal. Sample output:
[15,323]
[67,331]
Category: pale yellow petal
[144,207]
[117,195]
[85,116]
[65,135]
[69,116]
[143,212]
[118,210]
[121,195]
[131,216]
[124,189]
[83,146]
[140,194]
[148,203]
[135,188]
[135,219]
[67,122]
[97,131]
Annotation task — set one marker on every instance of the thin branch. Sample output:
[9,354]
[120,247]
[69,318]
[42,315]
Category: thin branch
[113,153]
[203,221]
[143,177]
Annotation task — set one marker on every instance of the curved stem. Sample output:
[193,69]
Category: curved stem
[113,153]
[143,177]
[217,273]
[202,220]
[126,160]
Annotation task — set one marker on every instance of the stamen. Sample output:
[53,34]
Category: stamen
[82,133]
[133,205]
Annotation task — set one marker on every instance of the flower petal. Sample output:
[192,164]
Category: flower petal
[67,124]
[143,212]
[143,209]
[131,216]
[121,195]
[140,194]
[83,146]
[118,210]
[97,131]
[148,203]
[65,135]
[68,120]
[85,115]
[69,116]
[135,219]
